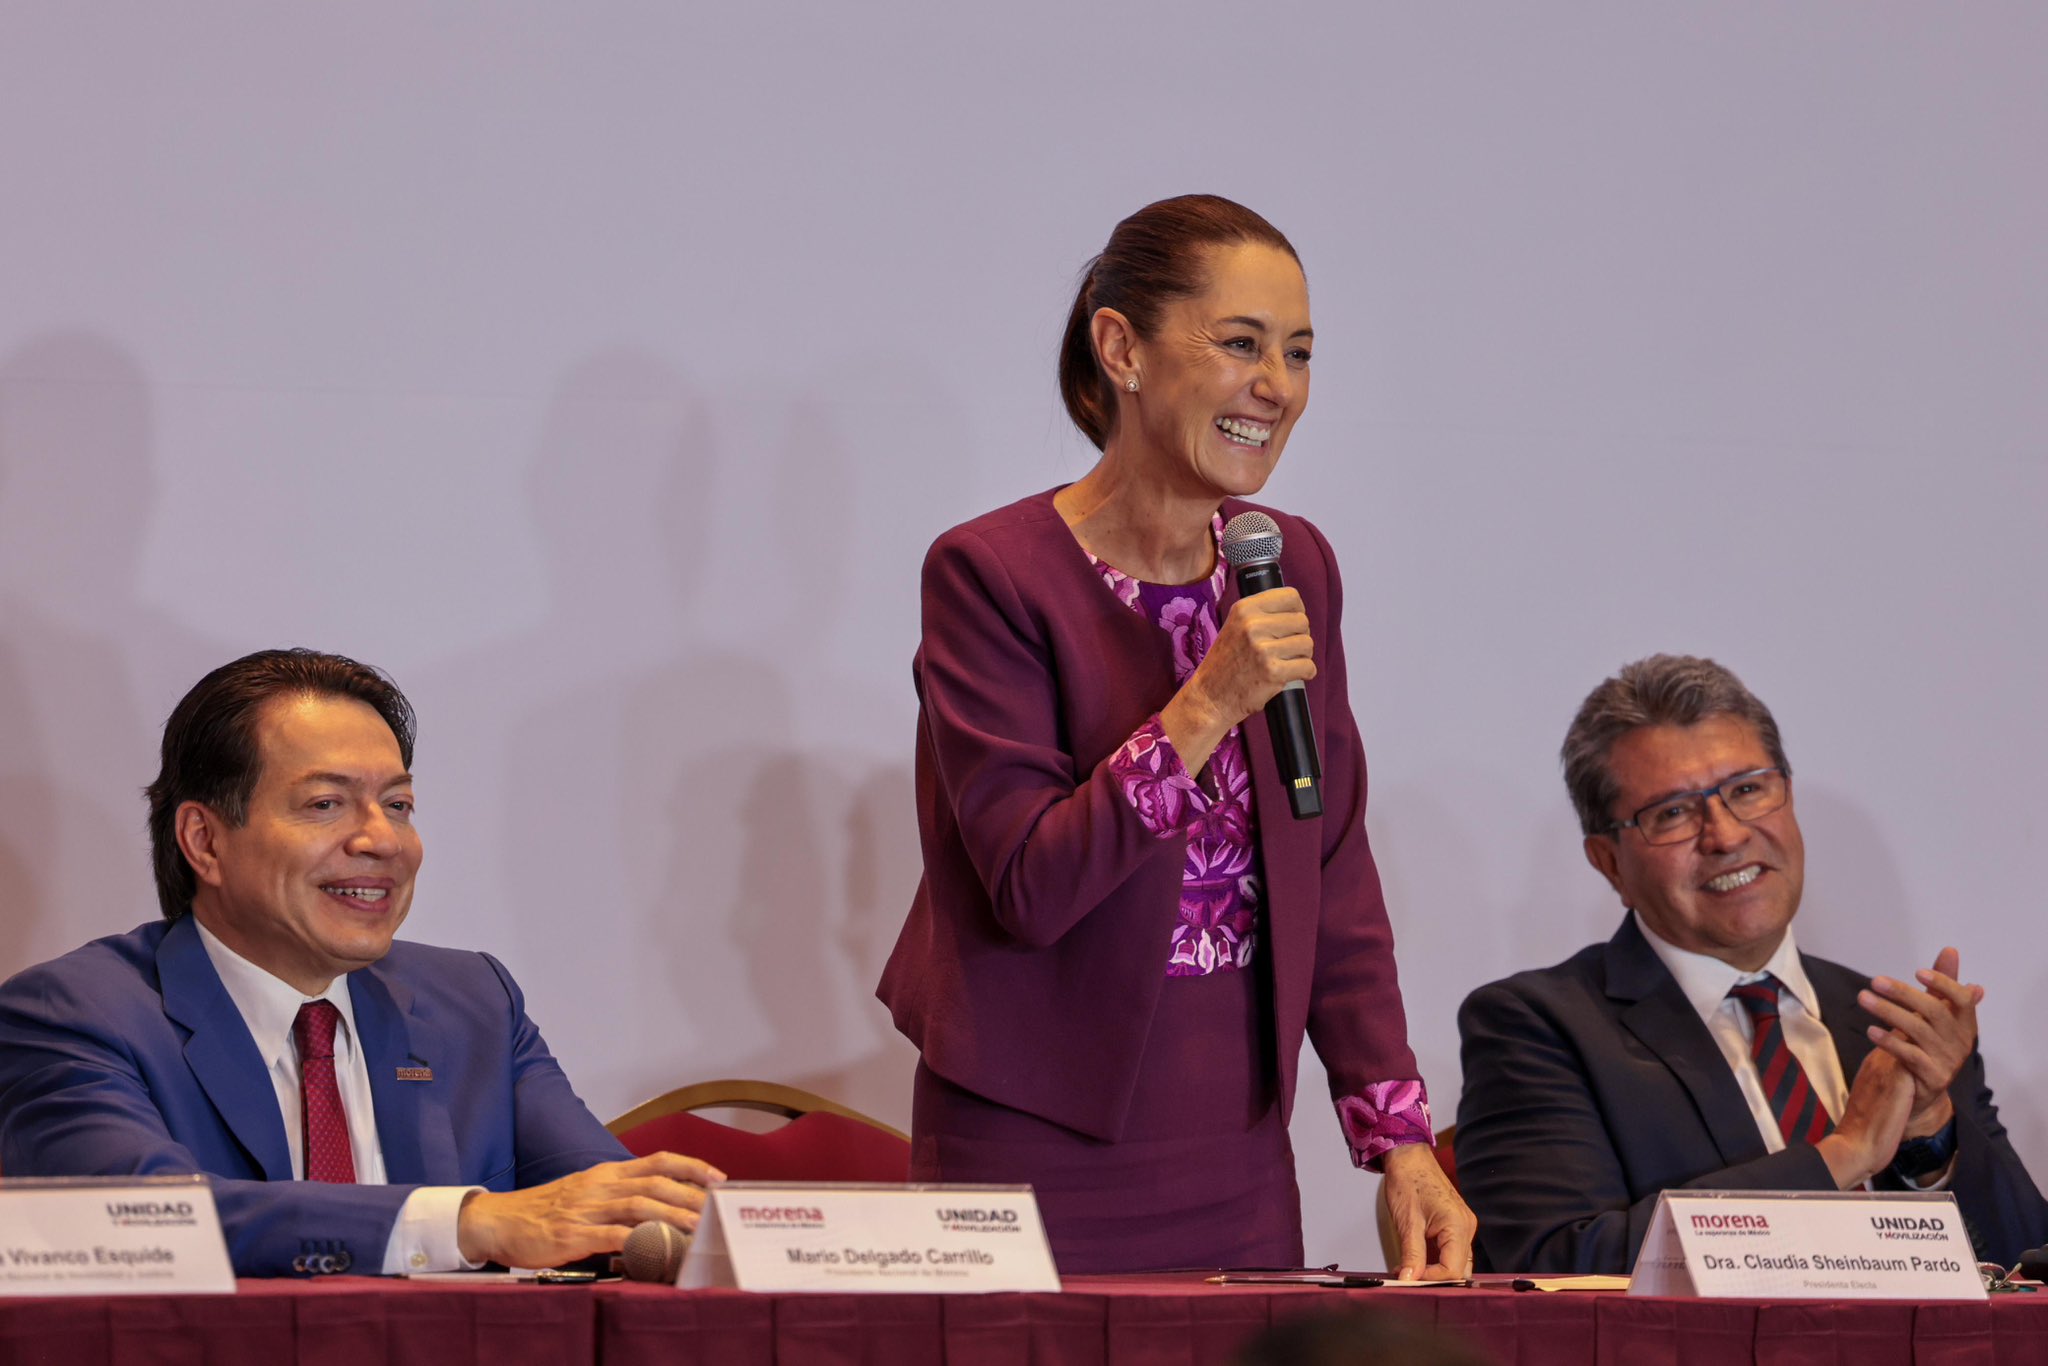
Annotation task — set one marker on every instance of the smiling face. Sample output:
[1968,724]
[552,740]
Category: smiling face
[318,878]
[1730,892]
[1224,376]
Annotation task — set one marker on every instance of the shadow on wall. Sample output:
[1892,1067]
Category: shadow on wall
[77,745]
[674,857]
[1453,933]
[1566,904]
[552,860]
[790,859]
[883,866]
[1436,901]
[1854,909]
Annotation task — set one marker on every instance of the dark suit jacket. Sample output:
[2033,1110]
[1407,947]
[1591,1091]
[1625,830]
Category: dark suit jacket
[1593,1085]
[1035,949]
[128,1058]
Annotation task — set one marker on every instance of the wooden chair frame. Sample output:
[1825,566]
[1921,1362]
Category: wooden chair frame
[765,1097]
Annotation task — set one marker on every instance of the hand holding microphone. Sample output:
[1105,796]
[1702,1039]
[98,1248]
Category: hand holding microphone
[1262,656]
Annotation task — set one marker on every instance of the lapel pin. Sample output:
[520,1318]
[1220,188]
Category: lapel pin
[415,1074]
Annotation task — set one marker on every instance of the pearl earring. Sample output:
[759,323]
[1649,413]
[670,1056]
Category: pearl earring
[1132,384]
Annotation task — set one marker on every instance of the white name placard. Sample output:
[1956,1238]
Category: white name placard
[1834,1245]
[121,1236]
[760,1235]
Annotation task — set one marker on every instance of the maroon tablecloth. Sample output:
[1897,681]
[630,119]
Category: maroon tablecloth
[1178,1321]
[1124,1321]
[338,1321]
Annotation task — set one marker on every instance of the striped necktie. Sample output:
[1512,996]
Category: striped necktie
[1800,1115]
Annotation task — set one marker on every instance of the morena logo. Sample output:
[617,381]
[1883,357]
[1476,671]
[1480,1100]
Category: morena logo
[1732,1221]
[782,1216]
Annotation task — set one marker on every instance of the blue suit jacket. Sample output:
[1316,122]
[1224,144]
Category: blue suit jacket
[127,1057]
[1593,1085]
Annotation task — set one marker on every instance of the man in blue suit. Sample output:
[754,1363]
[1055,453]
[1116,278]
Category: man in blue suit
[360,1104]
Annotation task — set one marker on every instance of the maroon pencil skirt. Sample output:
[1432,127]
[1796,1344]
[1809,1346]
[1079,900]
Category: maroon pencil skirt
[1203,1175]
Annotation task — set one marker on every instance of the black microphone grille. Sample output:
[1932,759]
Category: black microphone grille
[654,1252]
[1251,538]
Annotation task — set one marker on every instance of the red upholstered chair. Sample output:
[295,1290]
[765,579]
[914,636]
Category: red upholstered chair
[1447,1158]
[823,1141]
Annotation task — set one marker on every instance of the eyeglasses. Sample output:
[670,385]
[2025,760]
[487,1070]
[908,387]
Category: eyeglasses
[1682,815]
[1997,1280]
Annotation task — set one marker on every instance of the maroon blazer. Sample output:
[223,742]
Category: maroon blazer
[1035,949]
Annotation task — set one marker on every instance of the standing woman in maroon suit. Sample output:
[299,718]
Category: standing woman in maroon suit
[1122,933]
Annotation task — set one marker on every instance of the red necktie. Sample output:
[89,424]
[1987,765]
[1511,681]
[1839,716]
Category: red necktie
[324,1125]
[1801,1117]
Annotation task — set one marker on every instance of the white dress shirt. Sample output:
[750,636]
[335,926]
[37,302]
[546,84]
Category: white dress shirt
[424,1237]
[1706,982]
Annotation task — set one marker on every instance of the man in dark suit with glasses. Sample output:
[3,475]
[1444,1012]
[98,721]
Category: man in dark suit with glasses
[1699,1048]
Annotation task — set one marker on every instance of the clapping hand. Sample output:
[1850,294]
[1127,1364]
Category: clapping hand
[1931,1030]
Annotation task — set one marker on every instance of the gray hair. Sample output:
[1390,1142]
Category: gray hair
[1663,690]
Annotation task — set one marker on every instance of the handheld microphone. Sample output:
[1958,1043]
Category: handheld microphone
[654,1252]
[1251,542]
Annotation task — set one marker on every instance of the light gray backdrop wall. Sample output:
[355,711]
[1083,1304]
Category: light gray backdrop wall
[604,370]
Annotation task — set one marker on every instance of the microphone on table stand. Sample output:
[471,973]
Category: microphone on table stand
[654,1252]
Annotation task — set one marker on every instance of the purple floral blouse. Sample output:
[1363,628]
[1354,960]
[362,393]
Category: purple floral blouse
[1219,900]
[1219,891]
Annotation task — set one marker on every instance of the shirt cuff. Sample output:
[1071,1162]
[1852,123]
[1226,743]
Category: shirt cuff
[1148,771]
[424,1238]
[1384,1116]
